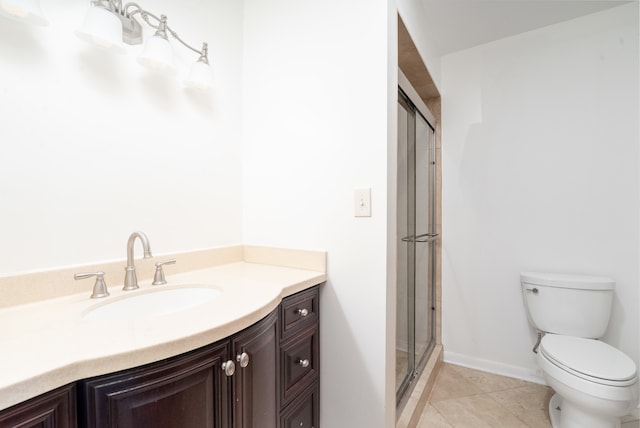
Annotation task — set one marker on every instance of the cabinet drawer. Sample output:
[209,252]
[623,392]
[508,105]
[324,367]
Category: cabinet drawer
[304,412]
[299,311]
[299,363]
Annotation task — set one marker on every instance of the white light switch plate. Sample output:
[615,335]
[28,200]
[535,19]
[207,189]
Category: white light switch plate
[362,203]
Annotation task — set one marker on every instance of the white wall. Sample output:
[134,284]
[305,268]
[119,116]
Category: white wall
[316,121]
[540,172]
[94,148]
[414,15]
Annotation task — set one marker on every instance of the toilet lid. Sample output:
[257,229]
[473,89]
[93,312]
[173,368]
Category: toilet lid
[589,359]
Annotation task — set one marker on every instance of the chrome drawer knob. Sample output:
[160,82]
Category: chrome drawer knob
[303,363]
[229,368]
[243,359]
[302,312]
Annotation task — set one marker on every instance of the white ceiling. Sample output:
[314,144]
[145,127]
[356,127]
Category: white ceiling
[459,24]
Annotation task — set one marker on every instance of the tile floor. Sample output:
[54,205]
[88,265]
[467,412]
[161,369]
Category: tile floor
[466,398]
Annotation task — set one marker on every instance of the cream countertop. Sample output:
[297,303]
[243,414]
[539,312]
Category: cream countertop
[48,344]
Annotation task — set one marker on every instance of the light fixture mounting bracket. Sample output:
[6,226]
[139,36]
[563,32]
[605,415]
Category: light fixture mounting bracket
[131,30]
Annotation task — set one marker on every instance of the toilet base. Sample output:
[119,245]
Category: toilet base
[555,405]
[565,415]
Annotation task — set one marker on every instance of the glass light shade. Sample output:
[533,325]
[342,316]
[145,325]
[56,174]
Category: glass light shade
[200,76]
[23,10]
[157,56]
[102,28]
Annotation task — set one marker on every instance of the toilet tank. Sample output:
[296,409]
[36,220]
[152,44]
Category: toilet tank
[573,305]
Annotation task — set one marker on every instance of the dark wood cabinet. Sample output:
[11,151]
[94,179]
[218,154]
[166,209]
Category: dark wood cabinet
[255,387]
[55,409]
[190,391]
[194,390]
[300,360]
[266,376]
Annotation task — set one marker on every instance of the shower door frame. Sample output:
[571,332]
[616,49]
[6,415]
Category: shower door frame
[415,368]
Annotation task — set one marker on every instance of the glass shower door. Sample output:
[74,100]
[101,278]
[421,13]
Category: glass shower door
[424,244]
[415,323]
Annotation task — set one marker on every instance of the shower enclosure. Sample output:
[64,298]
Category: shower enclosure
[415,322]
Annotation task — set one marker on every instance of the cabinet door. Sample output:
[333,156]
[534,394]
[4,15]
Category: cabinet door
[53,409]
[255,387]
[189,391]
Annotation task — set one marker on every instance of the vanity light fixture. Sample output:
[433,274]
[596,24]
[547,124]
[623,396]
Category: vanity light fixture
[156,54]
[23,10]
[102,28]
[109,23]
[200,76]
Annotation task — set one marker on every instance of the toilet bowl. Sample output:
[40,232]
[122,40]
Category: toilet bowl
[595,383]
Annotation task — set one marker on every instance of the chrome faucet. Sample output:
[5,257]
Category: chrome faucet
[130,279]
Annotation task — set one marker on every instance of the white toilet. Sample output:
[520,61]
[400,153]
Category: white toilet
[595,383]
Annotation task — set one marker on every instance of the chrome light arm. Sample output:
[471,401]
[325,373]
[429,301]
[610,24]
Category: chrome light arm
[132,30]
[162,26]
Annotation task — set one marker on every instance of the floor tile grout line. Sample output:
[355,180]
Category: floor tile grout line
[472,395]
[441,414]
[486,395]
[493,396]
[508,410]
[444,418]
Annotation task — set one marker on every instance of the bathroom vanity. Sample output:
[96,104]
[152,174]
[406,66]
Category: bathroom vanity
[264,374]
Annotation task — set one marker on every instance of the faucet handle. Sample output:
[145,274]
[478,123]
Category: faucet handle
[158,278]
[100,286]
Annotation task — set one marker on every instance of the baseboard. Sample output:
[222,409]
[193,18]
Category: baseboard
[522,373]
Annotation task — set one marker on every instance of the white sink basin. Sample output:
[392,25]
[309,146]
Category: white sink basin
[155,303]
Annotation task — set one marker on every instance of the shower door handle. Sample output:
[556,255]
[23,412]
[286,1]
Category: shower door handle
[425,237]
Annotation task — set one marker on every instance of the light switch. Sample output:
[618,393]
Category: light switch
[362,202]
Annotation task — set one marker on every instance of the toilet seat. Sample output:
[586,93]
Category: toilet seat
[589,359]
